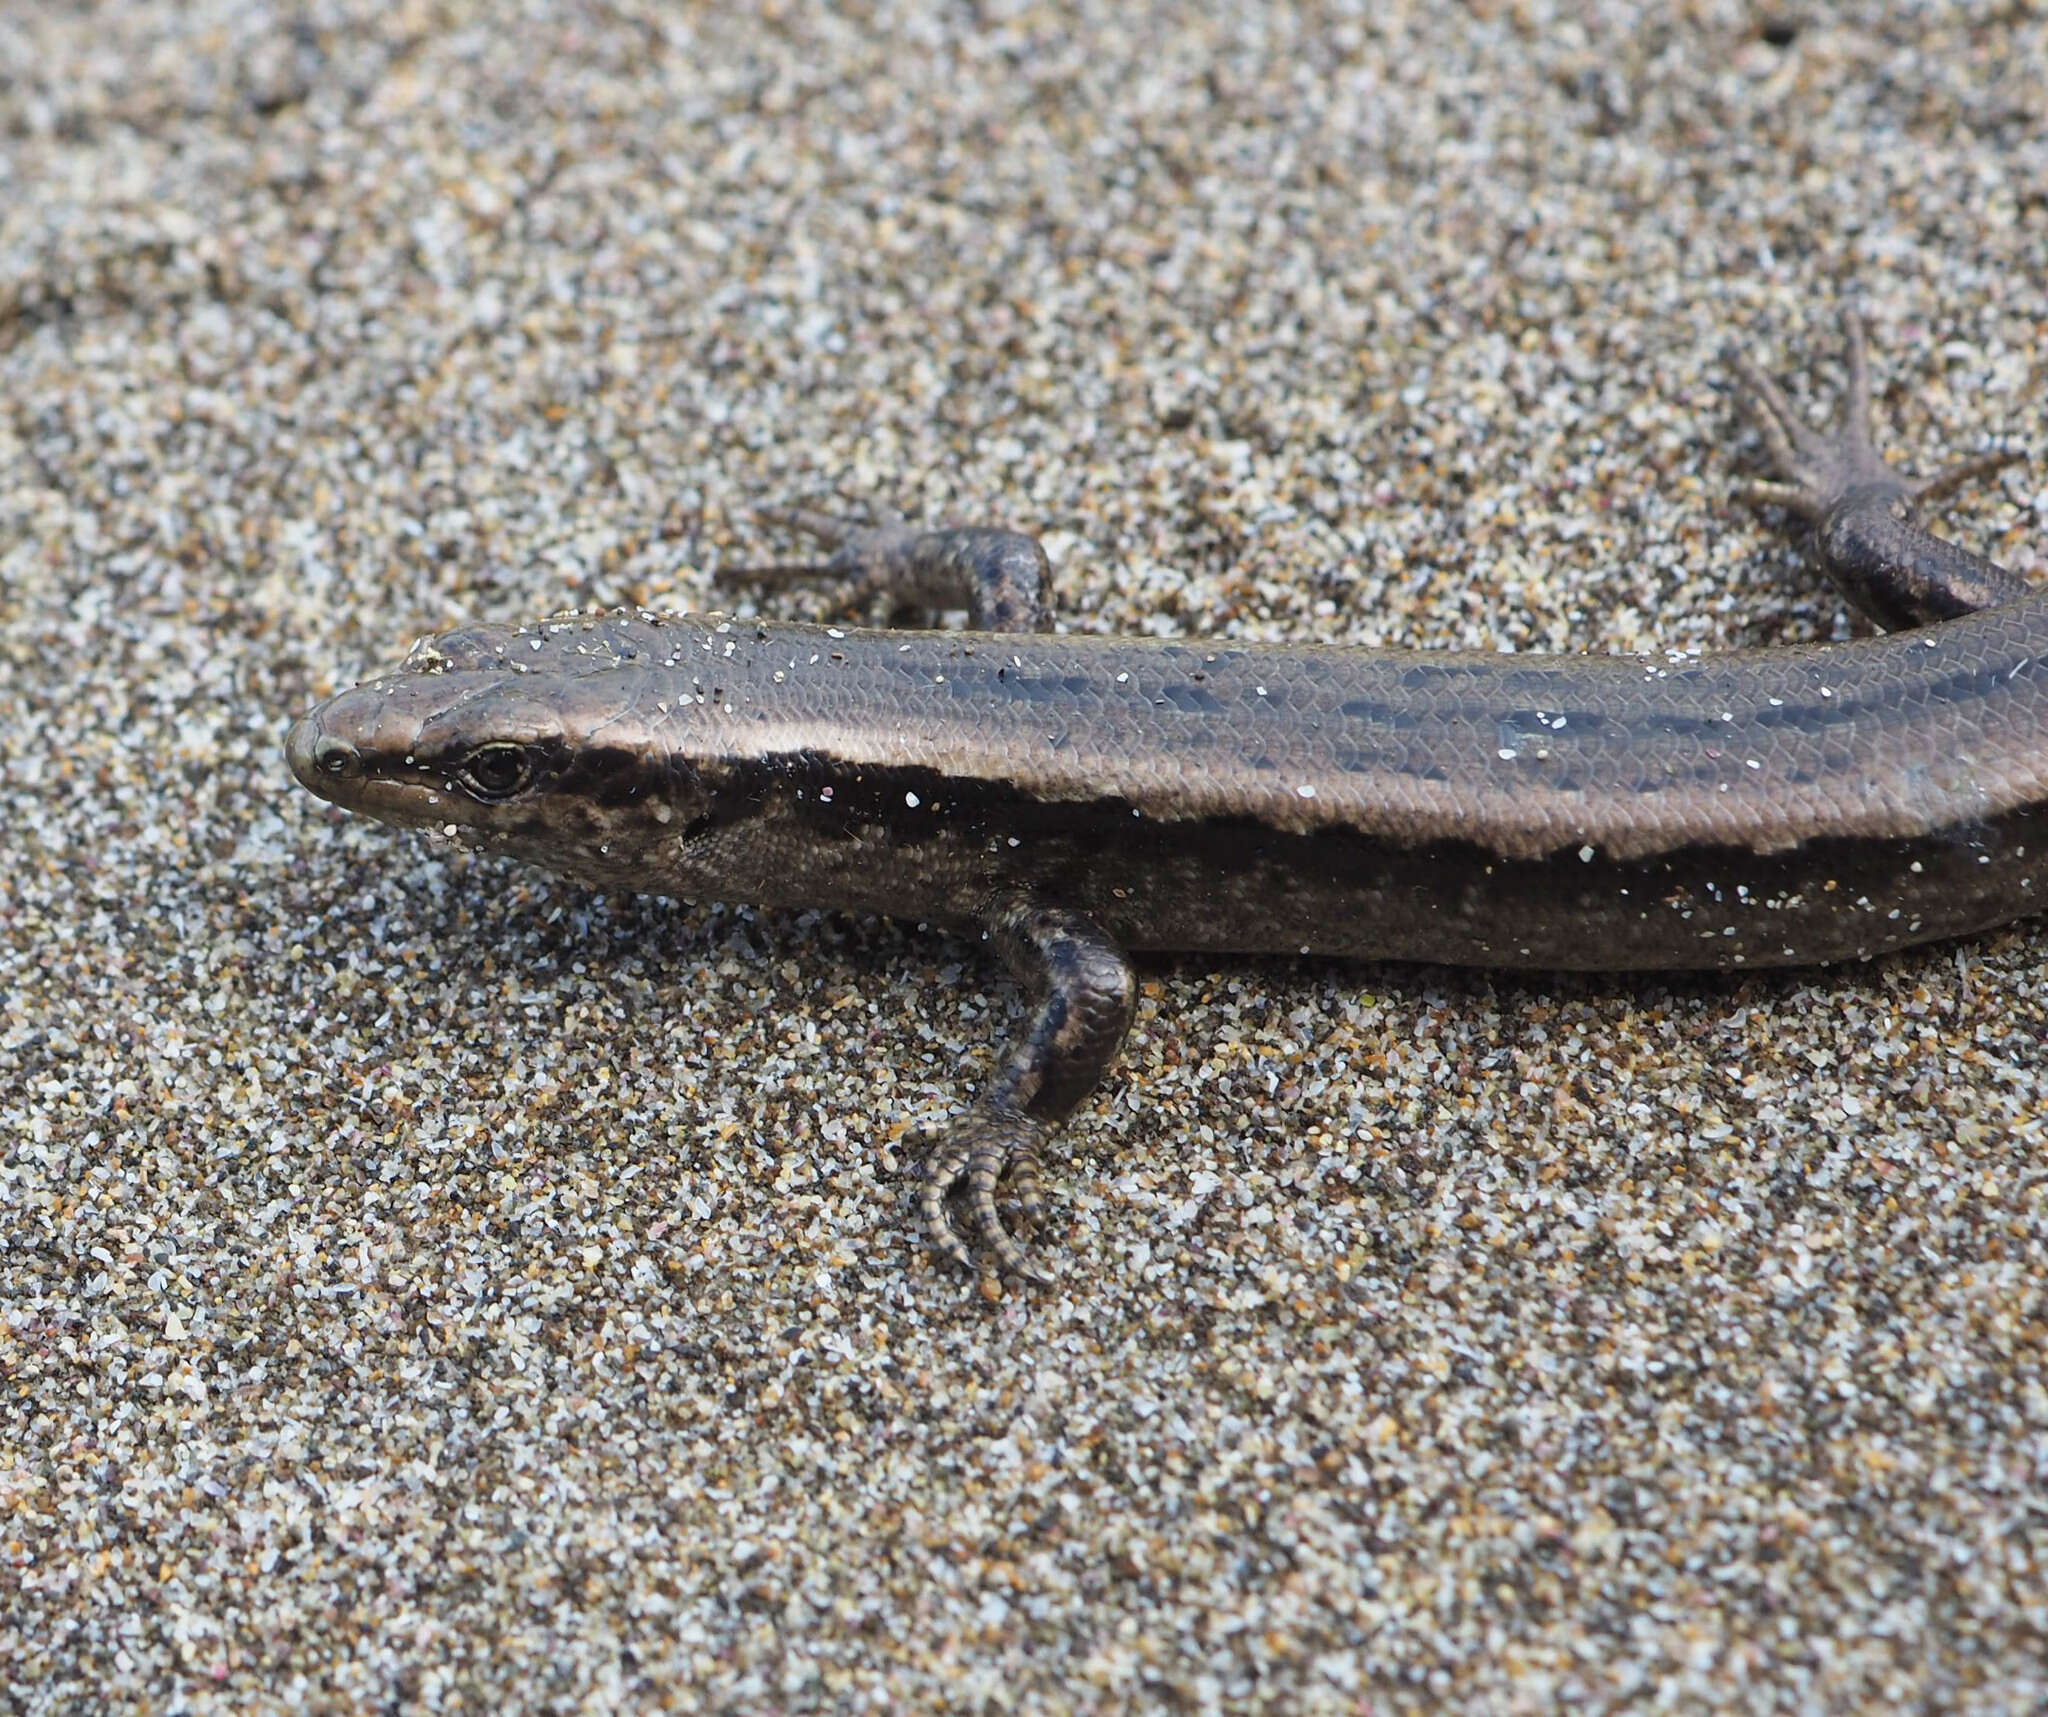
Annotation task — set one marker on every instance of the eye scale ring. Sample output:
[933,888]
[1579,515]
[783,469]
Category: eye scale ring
[496,771]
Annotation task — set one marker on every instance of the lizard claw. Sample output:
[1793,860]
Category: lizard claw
[1953,476]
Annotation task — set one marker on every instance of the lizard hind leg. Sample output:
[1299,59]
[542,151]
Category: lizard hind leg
[1866,526]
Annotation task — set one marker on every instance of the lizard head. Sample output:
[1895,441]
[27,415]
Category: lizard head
[534,741]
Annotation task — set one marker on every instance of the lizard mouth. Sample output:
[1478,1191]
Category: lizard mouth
[330,767]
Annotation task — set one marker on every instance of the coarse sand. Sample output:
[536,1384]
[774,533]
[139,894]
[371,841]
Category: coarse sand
[429,1286]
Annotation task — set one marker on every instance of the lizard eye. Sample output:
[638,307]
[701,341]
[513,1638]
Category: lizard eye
[496,771]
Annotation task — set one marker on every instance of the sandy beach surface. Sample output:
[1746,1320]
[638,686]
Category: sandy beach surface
[429,1286]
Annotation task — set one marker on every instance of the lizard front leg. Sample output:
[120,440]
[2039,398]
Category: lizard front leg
[1000,577]
[1085,994]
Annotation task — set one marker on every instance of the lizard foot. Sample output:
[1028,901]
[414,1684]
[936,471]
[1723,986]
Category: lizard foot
[973,1158]
[866,556]
[1816,468]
